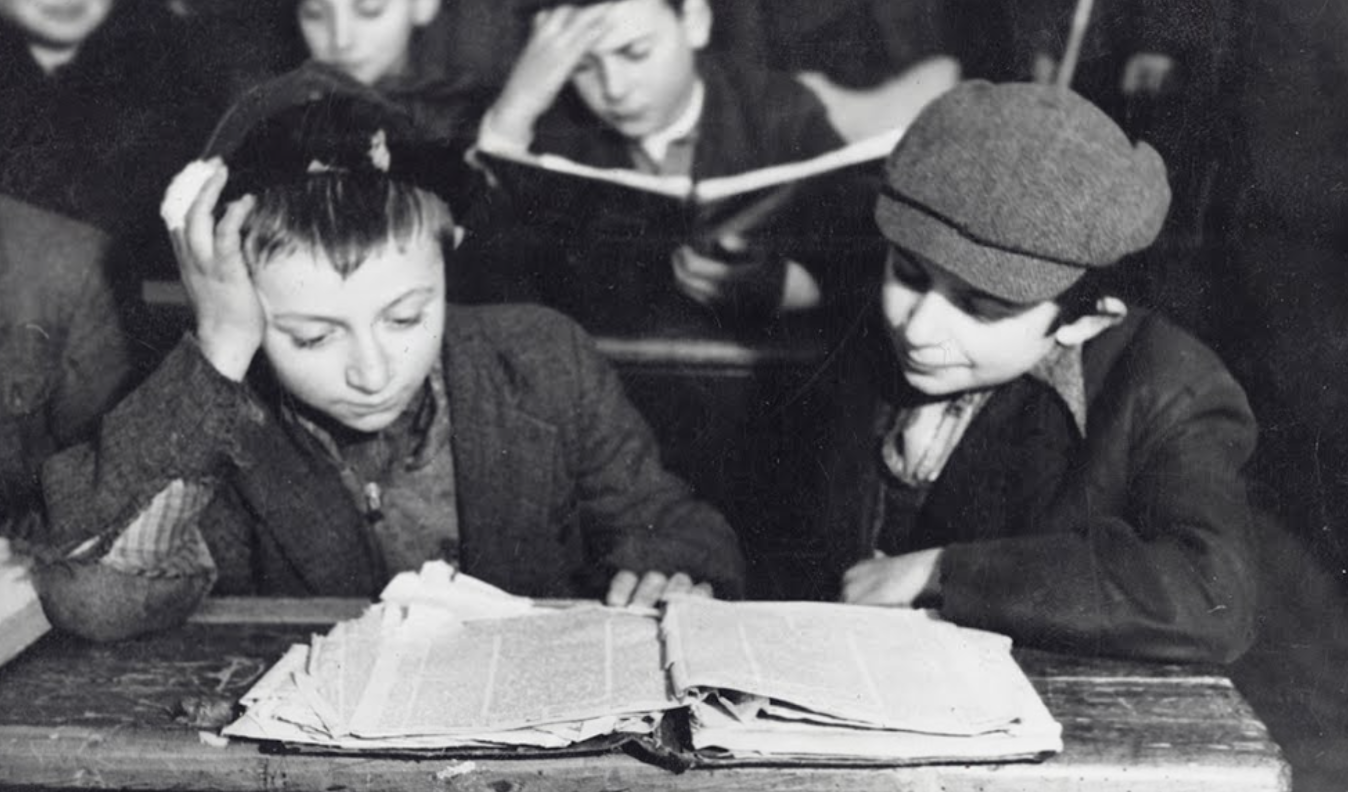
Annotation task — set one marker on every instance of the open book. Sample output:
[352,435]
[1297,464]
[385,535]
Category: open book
[743,683]
[822,682]
[578,200]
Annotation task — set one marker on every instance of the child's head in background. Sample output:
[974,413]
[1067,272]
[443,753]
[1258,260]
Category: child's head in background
[55,31]
[642,73]
[369,40]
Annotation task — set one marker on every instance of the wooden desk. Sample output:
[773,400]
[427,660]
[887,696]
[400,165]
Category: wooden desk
[74,714]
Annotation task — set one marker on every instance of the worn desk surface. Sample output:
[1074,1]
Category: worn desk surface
[74,714]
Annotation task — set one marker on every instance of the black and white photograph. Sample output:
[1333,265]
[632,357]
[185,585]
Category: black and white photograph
[557,395]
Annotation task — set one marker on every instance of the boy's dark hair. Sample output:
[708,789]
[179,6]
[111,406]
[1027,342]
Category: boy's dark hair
[1078,300]
[346,216]
[334,167]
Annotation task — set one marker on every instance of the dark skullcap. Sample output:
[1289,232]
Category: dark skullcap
[316,119]
[1020,189]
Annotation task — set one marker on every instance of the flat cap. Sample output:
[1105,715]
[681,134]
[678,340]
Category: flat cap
[1020,189]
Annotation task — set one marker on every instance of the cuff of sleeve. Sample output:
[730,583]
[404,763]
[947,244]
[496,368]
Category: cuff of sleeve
[100,603]
[960,602]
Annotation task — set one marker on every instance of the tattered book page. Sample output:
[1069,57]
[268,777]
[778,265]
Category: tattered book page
[493,675]
[882,667]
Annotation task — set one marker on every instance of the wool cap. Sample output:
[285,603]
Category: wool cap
[1020,189]
[315,119]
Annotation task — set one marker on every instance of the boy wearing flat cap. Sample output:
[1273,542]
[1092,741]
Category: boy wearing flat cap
[1030,456]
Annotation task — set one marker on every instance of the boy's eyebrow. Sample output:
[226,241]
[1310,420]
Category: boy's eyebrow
[304,318]
[297,316]
[416,291]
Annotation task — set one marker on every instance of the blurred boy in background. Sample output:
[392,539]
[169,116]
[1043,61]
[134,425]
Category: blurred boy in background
[626,84]
[63,359]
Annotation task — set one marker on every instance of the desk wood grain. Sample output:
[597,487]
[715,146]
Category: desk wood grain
[129,715]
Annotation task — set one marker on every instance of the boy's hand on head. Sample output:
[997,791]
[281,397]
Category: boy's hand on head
[898,581]
[229,319]
[561,37]
[650,589]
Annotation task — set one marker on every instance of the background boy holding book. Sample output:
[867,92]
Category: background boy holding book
[643,95]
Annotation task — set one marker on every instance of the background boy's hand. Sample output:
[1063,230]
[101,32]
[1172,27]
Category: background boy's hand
[704,279]
[627,589]
[714,281]
[898,581]
[230,322]
[1148,74]
[561,37]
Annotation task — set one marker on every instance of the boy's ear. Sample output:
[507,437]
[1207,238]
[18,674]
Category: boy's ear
[1108,312]
[423,11]
[696,21]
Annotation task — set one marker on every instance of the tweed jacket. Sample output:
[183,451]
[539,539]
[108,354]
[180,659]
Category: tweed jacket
[1134,540]
[63,359]
[558,480]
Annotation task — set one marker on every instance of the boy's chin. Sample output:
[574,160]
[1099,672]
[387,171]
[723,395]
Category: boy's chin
[370,423]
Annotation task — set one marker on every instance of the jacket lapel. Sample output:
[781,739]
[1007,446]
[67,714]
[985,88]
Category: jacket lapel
[504,460]
[301,503]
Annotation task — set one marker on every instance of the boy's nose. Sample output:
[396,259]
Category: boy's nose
[923,322]
[339,31]
[616,81]
[368,369]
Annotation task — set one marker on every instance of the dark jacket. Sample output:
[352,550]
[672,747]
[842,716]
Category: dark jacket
[1134,541]
[100,138]
[63,359]
[558,480]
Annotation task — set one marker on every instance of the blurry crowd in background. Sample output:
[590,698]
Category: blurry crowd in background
[1247,101]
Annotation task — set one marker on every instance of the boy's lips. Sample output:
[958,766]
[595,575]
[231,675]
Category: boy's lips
[64,13]
[364,410]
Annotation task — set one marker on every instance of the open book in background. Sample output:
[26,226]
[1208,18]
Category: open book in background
[580,202]
[740,683]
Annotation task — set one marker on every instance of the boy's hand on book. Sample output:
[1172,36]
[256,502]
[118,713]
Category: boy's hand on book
[561,37]
[897,581]
[648,590]
[229,318]
[703,278]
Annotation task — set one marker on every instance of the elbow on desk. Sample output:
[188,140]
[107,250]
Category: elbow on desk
[100,603]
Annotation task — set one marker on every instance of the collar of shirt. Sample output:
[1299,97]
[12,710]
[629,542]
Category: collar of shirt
[656,144]
[1061,370]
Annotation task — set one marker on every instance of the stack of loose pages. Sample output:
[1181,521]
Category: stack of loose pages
[447,662]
